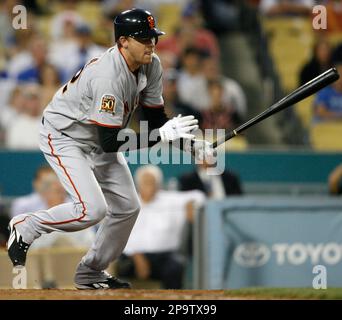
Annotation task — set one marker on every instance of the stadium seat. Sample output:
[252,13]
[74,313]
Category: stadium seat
[304,111]
[290,41]
[326,136]
[168,17]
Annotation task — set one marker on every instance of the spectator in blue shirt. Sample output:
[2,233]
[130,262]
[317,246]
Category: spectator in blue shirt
[328,102]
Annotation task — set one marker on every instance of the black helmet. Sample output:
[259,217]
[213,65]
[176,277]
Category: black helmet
[136,23]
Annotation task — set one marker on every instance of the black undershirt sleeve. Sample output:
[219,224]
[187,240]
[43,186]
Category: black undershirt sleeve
[156,117]
[108,137]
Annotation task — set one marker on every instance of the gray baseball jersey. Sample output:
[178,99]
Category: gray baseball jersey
[105,92]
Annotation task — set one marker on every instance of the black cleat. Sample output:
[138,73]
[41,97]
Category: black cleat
[17,248]
[109,283]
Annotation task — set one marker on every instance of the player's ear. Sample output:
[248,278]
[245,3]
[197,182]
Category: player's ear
[123,42]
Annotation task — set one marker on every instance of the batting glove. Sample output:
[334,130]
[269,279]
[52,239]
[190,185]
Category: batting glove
[178,127]
[200,149]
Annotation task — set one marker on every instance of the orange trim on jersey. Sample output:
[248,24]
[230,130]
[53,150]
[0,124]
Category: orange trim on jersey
[156,106]
[104,125]
[73,185]
[20,221]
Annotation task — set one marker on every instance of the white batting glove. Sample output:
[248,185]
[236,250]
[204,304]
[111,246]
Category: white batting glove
[178,127]
[200,149]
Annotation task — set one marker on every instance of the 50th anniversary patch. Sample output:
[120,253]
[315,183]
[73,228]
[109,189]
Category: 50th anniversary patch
[107,104]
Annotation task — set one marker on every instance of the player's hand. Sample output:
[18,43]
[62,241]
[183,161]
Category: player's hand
[200,149]
[178,127]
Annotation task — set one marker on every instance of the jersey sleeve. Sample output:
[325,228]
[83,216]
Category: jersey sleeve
[107,108]
[152,94]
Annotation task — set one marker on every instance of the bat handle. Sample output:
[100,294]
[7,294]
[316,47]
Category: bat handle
[228,136]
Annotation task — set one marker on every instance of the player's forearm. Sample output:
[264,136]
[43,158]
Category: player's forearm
[155,116]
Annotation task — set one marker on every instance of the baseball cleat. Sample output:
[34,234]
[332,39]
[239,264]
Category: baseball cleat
[16,247]
[109,283]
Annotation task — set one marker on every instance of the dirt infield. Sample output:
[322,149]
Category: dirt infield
[69,294]
[156,294]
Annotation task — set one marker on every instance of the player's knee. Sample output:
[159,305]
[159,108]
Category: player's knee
[97,211]
[135,207]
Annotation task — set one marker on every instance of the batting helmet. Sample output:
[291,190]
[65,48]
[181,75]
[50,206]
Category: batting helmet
[136,23]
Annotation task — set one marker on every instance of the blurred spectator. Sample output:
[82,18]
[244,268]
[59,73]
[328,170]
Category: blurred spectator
[191,83]
[167,59]
[334,14]
[39,57]
[7,34]
[190,33]
[10,111]
[335,181]
[78,52]
[48,192]
[152,251]
[23,132]
[214,186]
[110,8]
[63,24]
[173,105]
[328,101]
[36,6]
[286,7]
[320,61]
[221,16]
[6,88]
[233,94]
[337,53]
[49,80]
[24,66]
[220,115]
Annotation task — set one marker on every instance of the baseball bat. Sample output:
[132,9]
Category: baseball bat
[297,95]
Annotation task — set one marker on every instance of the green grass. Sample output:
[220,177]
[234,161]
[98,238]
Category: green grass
[286,293]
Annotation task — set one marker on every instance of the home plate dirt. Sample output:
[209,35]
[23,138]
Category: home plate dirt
[69,294]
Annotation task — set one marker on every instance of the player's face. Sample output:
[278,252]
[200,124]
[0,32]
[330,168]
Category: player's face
[142,49]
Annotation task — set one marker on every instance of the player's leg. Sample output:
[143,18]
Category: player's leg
[88,204]
[123,203]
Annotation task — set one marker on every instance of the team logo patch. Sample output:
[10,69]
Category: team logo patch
[151,22]
[107,104]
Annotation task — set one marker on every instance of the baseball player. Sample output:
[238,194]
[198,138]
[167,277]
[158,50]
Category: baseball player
[79,139]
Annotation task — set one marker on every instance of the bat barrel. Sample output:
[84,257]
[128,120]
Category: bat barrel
[299,94]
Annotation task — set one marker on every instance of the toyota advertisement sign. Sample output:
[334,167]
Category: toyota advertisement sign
[272,242]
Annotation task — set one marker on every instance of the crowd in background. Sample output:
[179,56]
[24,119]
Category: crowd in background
[36,61]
